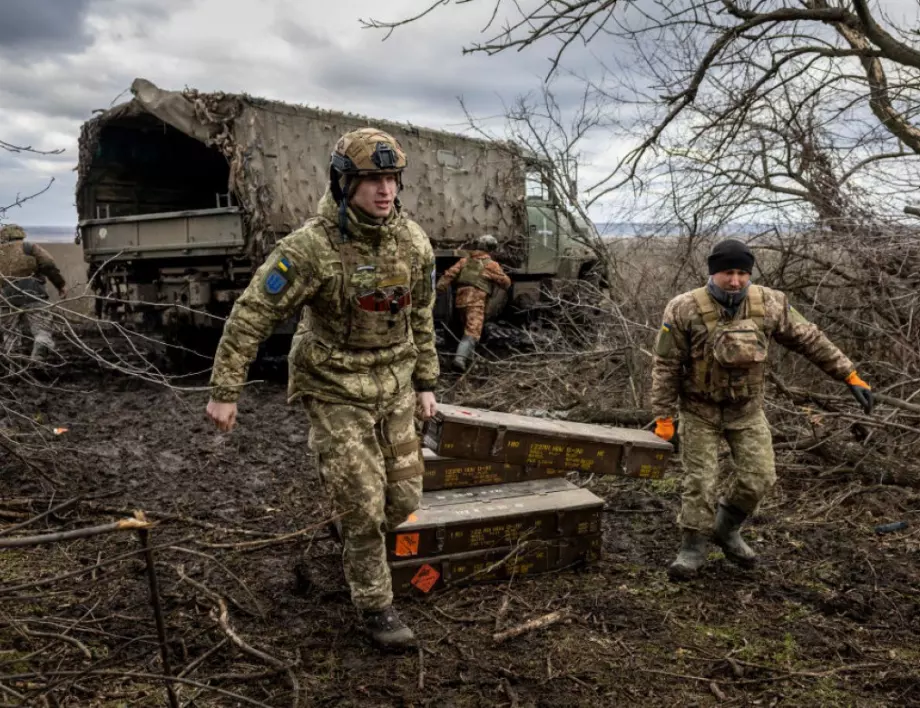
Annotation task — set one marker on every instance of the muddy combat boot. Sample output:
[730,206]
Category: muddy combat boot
[387,630]
[464,355]
[728,520]
[690,558]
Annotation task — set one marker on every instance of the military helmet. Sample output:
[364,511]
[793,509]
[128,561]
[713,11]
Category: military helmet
[11,232]
[486,242]
[368,151]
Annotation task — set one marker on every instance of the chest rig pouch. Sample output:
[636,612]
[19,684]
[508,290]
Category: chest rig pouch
[734,358]
[472,275]
[377,298]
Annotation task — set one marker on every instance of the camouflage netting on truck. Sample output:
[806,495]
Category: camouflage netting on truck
[456,187]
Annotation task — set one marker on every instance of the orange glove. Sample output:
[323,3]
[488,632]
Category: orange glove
[862,392]
[664,428]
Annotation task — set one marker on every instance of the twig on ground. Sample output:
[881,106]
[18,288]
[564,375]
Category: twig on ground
[530,626]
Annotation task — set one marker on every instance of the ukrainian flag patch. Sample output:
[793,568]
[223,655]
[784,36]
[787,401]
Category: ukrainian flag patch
[278,278]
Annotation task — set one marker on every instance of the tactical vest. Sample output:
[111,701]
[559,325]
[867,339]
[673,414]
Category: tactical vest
[733,362]
[472,275]
[375,298]
[21,283]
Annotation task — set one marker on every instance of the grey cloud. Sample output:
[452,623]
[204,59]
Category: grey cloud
[307,55]
[29,26]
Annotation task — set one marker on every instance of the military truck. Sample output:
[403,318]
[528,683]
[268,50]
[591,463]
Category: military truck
[181,195]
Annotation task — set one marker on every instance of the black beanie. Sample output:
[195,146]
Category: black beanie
[730,255]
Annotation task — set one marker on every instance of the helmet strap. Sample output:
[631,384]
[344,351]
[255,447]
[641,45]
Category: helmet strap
[340,195]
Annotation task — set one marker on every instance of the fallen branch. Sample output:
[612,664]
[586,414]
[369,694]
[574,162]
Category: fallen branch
[121,525]
[62,637]
[220,615]
[28,463]
[530,626]
[259,611]
[81,571]
[204,657]
[134,674]
[257,545]
[421,669]
[60,507]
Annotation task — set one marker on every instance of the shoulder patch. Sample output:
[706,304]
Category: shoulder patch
[278,279]
[665,341]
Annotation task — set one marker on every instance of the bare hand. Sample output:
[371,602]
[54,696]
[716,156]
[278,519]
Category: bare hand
[223,415]
[427,405]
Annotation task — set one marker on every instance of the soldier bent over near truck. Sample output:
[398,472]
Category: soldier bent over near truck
[363,356]
[710,364]
[475,277]
[23,297]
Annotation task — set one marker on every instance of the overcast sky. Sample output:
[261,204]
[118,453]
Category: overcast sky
[62,59]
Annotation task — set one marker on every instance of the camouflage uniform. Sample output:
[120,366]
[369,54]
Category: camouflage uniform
[474,276]
[363,347]
[711,369]
[23,297]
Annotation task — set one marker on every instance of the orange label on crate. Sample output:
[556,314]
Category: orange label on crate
[407,544]
[425,578]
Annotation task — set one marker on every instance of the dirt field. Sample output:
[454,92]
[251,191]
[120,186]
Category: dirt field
[832,617]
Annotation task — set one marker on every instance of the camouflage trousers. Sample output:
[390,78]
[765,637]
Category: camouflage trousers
[30,321]
[471,302]
[371,467]
[751,447]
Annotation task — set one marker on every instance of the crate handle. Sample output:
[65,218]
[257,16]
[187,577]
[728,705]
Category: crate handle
[499,440]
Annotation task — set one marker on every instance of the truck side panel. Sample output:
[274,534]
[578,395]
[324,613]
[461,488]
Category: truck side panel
[455,188]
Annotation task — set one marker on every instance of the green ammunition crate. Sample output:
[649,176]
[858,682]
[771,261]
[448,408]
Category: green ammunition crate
[488,436]
[419,576]
[481,518]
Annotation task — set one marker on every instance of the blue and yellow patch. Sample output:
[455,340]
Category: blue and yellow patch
[665,327]
[278,278]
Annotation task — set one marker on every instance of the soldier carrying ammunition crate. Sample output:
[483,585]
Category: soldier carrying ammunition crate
[709,366]
[362,358]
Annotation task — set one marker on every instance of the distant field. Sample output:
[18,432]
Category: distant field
[50,234]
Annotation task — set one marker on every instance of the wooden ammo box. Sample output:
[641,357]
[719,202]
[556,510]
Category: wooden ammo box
[451,473]
[479,518]
[474,434]
[422,575]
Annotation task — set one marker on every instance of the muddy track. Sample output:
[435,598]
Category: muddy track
[830,618]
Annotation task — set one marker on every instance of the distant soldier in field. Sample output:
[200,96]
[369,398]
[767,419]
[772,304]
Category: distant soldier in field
[475,277]
[363,359]
[709,366]
[24,267]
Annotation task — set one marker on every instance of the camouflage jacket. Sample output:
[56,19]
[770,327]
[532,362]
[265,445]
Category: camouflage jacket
[687,375]
[491,272]
[312,281]
[23,269]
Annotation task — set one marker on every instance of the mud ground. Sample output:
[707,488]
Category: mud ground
[830,618]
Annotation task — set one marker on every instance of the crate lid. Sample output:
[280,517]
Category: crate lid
[452,506]
[588,432]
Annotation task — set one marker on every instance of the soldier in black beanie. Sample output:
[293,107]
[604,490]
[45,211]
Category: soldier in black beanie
[730,254]
[710,365]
